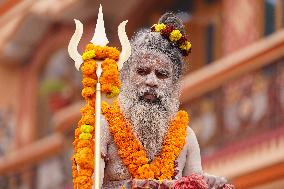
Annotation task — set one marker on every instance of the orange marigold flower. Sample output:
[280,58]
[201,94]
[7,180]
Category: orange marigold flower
[87,172]
[89,47]
[77,132]
[92,101]
[89,82]
[88,119]
[85,143]
[113,53]
[110,78]
[89,67]
[100,52]
[92,76]
[88,92]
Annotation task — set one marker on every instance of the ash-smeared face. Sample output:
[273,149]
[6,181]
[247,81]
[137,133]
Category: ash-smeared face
[149,97]
[152,76]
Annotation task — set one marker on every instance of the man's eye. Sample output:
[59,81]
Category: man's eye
[143,71]
[161,74]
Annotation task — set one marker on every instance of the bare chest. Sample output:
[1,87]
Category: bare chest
[115,170]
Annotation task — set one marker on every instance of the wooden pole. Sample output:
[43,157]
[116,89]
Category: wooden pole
[98,128]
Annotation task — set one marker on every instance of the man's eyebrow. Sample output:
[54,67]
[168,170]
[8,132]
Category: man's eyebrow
[163,70]
[141,67]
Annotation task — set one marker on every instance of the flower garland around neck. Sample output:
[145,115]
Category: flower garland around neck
[83,157]
[132,151]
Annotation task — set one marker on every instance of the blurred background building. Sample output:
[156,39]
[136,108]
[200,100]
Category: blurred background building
[233,88]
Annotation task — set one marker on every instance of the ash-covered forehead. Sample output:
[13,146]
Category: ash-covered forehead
[152,43]
[151,58]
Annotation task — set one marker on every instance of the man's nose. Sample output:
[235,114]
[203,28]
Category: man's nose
[151,80]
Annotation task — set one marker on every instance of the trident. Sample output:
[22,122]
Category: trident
[100,39]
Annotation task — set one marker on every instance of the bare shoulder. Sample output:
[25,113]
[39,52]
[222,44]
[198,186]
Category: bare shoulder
[189,131]
[193,160]
[190,134]
[191,138]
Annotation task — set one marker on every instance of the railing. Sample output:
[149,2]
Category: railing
[224,94]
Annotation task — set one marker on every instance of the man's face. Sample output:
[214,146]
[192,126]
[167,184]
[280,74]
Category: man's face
[153,78]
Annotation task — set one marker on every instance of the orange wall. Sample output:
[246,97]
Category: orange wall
[9,87]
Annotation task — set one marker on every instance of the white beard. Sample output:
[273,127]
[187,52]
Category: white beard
[150,121]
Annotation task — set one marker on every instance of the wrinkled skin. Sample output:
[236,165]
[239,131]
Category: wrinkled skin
[149,99]
[152,76]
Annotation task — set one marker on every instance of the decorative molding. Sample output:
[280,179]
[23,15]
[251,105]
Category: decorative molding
[251,157]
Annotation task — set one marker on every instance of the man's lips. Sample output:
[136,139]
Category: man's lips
[149,97]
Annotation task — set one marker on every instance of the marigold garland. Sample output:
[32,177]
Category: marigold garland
[100,53]
[83,164]
[133,153]
[110,83]
[110,79]
[83,158]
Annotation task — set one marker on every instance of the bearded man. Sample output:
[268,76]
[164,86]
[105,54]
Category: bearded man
[145,118]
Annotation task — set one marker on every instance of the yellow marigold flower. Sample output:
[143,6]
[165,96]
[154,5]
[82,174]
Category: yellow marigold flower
[86,128]
[85,136]
[186,46]
[114,92]
[88,55]
[159,27]
[175,35]
[104,106]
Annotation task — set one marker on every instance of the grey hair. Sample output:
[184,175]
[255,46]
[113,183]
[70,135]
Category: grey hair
[154,43]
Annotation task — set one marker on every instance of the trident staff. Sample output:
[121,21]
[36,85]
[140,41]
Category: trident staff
[99,39]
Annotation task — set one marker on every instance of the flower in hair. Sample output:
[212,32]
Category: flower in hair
[174,35]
